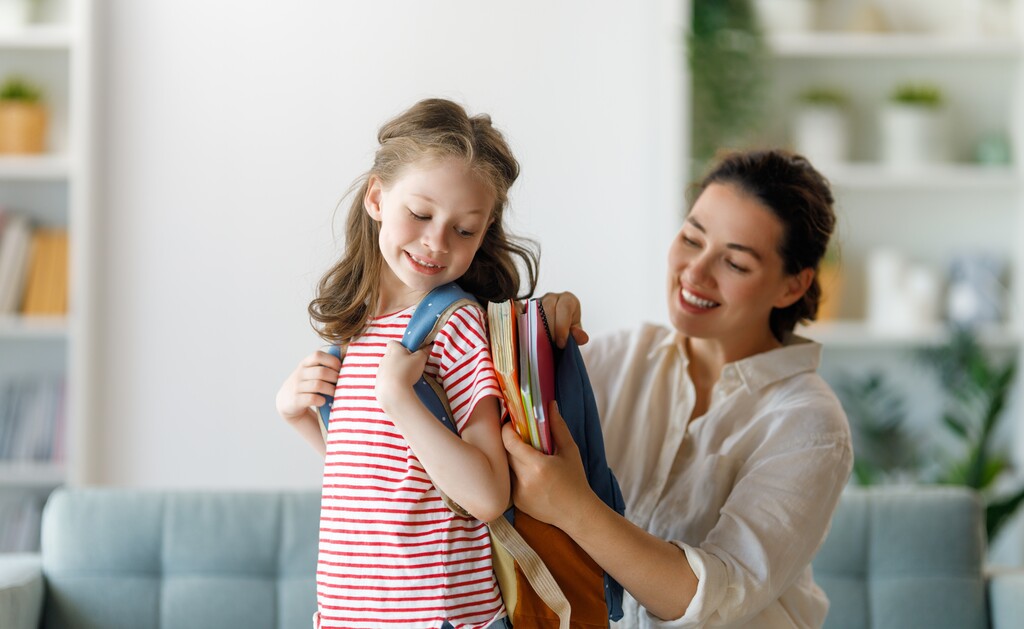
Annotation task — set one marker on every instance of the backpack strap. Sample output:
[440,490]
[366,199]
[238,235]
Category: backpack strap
[428,318]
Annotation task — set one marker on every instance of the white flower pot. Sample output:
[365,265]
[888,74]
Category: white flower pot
[785,16]
[913,136]
[14,15]
[821,134]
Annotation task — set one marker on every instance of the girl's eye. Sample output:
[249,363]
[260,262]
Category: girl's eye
[419,217]
[464,233]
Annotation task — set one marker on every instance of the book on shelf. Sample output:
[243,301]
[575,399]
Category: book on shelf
[14,252]
[31,419]
[20,514]
[33,267]
[524,361]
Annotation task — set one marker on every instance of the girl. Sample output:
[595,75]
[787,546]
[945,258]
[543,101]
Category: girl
[730,450]
[427,213]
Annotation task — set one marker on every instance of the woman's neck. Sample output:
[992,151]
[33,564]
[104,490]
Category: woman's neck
[707,356]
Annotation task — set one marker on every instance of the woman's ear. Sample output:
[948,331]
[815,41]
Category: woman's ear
[372,198]
[796,285]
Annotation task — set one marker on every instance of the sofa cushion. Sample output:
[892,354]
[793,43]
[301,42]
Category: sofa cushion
[905,557]
[179,560]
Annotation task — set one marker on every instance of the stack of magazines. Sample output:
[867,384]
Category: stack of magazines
[524,360]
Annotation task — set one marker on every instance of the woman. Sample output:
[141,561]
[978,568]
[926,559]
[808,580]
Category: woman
[731,451]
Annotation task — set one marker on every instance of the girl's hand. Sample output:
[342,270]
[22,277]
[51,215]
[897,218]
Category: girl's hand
[563,314]
[399,370]
[310,384]
[551,488]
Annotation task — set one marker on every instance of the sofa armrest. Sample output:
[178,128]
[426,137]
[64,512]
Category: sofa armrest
[1006,597]
[21,591]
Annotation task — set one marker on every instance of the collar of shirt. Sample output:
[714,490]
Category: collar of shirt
[797,355]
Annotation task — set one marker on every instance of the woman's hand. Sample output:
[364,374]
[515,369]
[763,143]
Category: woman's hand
[551,488]
[312,382]
[562,311]
[398,372]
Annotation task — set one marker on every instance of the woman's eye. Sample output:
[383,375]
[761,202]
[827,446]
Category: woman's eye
[735,267]
[690,242]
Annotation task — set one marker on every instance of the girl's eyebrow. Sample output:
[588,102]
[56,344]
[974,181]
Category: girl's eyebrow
[433,202]
[732,245]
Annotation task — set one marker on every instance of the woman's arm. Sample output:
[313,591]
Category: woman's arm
[310,384]
[471,470]
[554,489]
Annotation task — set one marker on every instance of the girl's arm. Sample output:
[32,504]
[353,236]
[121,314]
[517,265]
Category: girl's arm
[471,470]
[554,489]
[309,385]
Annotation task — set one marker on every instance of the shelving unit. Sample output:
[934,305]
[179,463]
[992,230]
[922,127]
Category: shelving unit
[929,213]
[53,190]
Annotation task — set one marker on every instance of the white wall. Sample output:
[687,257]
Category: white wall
[229,131]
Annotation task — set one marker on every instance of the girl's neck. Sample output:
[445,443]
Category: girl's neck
[394,295]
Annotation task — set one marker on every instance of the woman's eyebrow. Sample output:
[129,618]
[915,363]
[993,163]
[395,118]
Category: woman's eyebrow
[732,245]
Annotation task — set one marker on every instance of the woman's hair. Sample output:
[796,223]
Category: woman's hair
[432,129]
[801,198]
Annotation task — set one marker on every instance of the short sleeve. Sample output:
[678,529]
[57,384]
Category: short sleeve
[461,361]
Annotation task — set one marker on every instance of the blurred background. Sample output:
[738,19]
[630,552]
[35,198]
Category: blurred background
[172,175]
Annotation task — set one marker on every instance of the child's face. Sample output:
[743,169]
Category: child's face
[432,220]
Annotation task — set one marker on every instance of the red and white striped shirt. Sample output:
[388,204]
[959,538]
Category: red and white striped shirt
[391,553]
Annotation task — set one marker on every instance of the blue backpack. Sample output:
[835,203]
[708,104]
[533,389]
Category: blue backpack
[524,549]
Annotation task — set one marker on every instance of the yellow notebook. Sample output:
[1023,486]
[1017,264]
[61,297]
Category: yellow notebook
[502,323]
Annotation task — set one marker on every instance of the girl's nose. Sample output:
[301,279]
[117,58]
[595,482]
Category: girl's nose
[435,238]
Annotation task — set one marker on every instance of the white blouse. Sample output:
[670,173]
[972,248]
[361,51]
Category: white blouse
[747,490]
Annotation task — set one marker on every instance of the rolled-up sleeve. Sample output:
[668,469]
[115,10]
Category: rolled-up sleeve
[768,531]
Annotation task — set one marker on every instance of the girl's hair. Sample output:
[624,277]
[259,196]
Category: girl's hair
[432,129]
[801,198]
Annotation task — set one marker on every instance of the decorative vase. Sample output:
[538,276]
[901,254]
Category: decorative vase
[820,133]
[14,15]
[914,135]
[830,278]
[22,127]
[785,16]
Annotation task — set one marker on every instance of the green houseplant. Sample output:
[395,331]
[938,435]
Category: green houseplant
[22,117]
[727,57]
[977,389]
[914,126]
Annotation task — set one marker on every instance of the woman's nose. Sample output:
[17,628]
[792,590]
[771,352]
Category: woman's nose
[697,271]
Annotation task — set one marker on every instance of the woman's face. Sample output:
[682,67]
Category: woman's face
[725,273]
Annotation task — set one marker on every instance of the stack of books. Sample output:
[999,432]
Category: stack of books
[524,360]
[33,268]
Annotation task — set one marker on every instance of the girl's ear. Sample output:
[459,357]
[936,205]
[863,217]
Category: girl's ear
[371,200]
[796,285]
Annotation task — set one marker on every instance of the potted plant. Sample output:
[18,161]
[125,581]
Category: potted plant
[22,117]
[727,57]
[820,126]
[969,451]
[914,127]
[15,15]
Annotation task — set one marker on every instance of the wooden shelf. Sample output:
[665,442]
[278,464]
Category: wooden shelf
[937,177]
[42,167]
[29,474]
[17,327]
[889,45]
[38,37]
[851,334]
